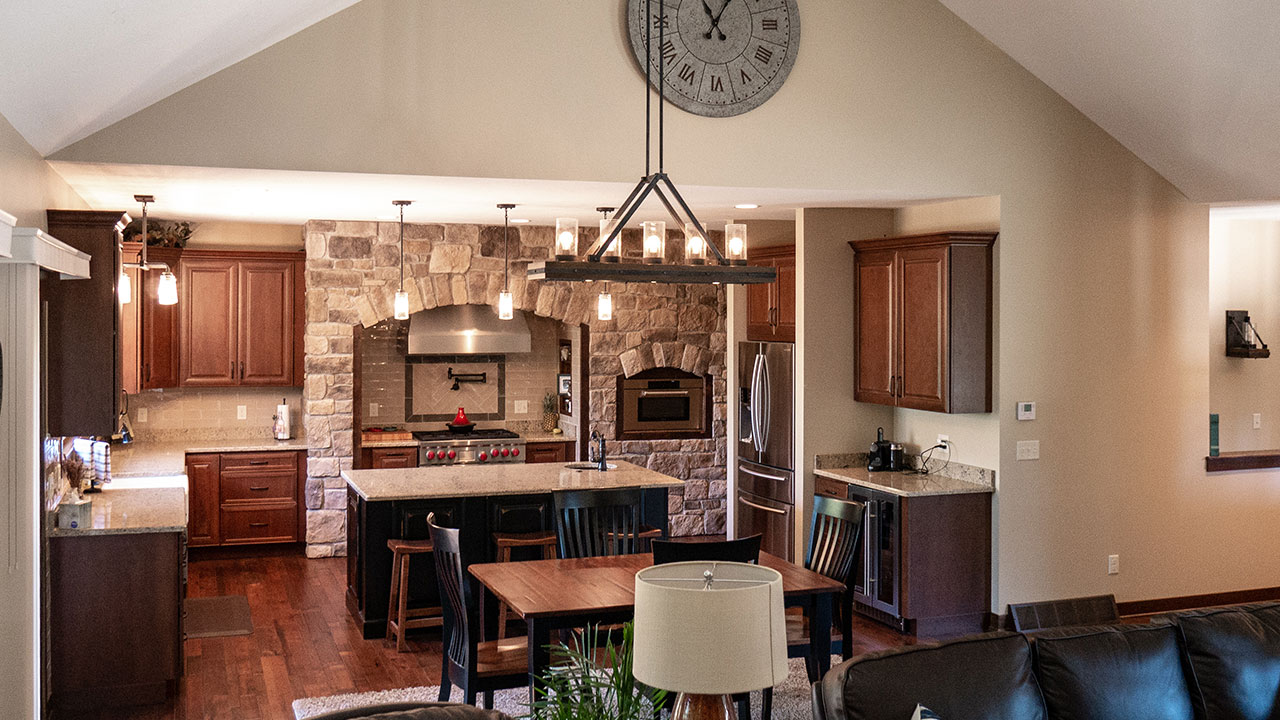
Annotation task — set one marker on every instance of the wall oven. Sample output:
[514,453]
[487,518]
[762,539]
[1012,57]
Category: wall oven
[663,404]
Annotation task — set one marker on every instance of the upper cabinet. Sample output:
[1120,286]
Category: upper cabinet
[149,330]
[240,319]
[84,378]
[771,308]
[922,315]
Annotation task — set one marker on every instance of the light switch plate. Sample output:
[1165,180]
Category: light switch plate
[1026,411]
[1028,449]
[1257,421]
[241,412]
[142,415]
[374,408]
[522,407]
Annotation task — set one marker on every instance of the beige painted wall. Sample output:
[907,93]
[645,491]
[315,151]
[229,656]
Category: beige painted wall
[28,186]
[1244,274]
[260,236]
[1103,264]
[974,438]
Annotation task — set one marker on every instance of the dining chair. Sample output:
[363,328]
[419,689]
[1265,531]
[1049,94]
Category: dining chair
[475,665]
[598,523]
[743,550]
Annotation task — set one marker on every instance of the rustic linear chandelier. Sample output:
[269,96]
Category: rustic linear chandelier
[604,258]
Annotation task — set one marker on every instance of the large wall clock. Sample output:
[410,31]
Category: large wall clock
[722,57]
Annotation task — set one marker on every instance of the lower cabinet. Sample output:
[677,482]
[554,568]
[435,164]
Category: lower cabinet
[115,628]
[926,561]
[402,457]
[549,452]
[245,498]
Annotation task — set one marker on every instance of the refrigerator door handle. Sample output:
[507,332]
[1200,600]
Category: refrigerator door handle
[756,391]
[775,511]
[766,403]
[775,478]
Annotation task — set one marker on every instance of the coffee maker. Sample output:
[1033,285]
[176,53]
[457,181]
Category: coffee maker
[884,454]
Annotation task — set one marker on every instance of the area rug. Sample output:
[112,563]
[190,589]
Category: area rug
[220,616]
[791,699]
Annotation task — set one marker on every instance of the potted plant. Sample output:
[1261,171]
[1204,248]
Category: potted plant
[159,234]
[578,687]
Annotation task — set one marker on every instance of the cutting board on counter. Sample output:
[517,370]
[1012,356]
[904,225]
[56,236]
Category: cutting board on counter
[397,436]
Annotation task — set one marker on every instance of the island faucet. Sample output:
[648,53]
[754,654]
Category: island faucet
[596,452]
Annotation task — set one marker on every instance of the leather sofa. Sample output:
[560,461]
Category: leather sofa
[1217,664]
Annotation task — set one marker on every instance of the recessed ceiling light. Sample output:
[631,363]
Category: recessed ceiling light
[746,206]
[519,220]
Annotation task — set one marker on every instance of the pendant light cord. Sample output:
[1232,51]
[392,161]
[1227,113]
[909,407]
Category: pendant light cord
[401,248]
[144,234]
[506,248]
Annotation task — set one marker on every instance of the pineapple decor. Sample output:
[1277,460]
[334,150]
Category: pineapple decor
[550,413]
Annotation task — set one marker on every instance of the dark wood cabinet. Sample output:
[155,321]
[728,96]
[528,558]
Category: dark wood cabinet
[926,561]
[923,321]
[84,370]
[403,457]
[149,330]
[115,619]
[240,320]
[549,452]
[245,498]
[771,308]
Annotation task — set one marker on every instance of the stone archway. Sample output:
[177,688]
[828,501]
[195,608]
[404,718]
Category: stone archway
[353,273]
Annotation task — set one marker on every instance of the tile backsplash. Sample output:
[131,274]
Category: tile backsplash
[185,409]
[515,381]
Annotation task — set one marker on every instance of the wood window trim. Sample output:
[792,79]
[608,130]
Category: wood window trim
[1242,460]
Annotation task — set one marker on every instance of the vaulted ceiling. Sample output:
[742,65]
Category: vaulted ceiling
[1190,86]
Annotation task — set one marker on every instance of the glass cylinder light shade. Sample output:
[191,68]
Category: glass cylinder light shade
[695,245]
[604,307]
[566,238]
[125,288]
[613,253]
[401,306]
[506,308]
[735,243]
[655,241]
[167,289]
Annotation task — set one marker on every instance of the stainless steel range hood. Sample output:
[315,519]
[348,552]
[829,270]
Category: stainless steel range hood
[467,330]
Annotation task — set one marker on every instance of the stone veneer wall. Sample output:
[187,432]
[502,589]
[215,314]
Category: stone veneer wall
[352,276]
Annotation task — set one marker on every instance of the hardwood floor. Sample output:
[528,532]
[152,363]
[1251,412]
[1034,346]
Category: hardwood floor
[305,644]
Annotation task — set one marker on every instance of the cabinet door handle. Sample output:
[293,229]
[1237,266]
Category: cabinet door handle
[893,386]
[147,367]
[258,488]
[257,524]
[258,462]
[241,369]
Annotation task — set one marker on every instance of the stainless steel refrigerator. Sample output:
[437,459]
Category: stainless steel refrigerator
[765,501]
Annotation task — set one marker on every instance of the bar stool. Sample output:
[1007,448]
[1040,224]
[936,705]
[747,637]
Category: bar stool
[400,618]
[545,539]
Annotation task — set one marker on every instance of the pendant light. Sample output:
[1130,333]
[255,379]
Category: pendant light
[653,267]
[506,306]
[402,297]
[612,253]
[604,306]
[167,288]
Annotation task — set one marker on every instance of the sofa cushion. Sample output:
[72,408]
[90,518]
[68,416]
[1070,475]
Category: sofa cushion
[1113,673]
[1235,660]
[985,676]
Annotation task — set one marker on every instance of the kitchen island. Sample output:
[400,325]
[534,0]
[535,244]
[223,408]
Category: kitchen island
[479,499]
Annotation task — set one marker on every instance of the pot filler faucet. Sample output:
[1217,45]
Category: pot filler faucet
[596,453]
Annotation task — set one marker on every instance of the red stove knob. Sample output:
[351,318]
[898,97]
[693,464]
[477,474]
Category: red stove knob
[506,452]
[483,456]
[493,452]
[431,454]
[452,454]
[515,452]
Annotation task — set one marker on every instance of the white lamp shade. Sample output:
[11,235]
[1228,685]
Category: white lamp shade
[506,306]
[401,308]
[731,638]
[167,289]
[604,306]
[566,238]
[612,253]
[125,288]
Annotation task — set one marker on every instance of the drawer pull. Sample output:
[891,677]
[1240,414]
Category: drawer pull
[257,524]
[259,462]
[259,488]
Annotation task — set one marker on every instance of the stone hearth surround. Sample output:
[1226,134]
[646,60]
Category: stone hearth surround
[353,274]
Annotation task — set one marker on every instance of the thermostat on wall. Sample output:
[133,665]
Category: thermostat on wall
[1026,411]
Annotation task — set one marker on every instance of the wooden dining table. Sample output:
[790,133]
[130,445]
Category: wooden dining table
[552,595]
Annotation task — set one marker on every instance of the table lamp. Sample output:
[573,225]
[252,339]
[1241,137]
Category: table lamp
[708,630]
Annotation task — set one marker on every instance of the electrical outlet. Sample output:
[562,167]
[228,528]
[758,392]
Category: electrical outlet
[944,441]
[1257,421]
[374,408]
[1028,449]
[142,415]
[242,412]
[522,407]
[1113,564]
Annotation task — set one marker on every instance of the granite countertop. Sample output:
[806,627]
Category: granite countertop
[143,458]
[502,479]
[546,437]
[910,484]
[388,443]
[153,505]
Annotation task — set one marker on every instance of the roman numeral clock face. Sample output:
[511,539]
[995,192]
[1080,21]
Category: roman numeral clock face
[721,57]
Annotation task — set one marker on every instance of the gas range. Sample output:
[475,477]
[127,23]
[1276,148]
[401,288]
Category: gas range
[479,446]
